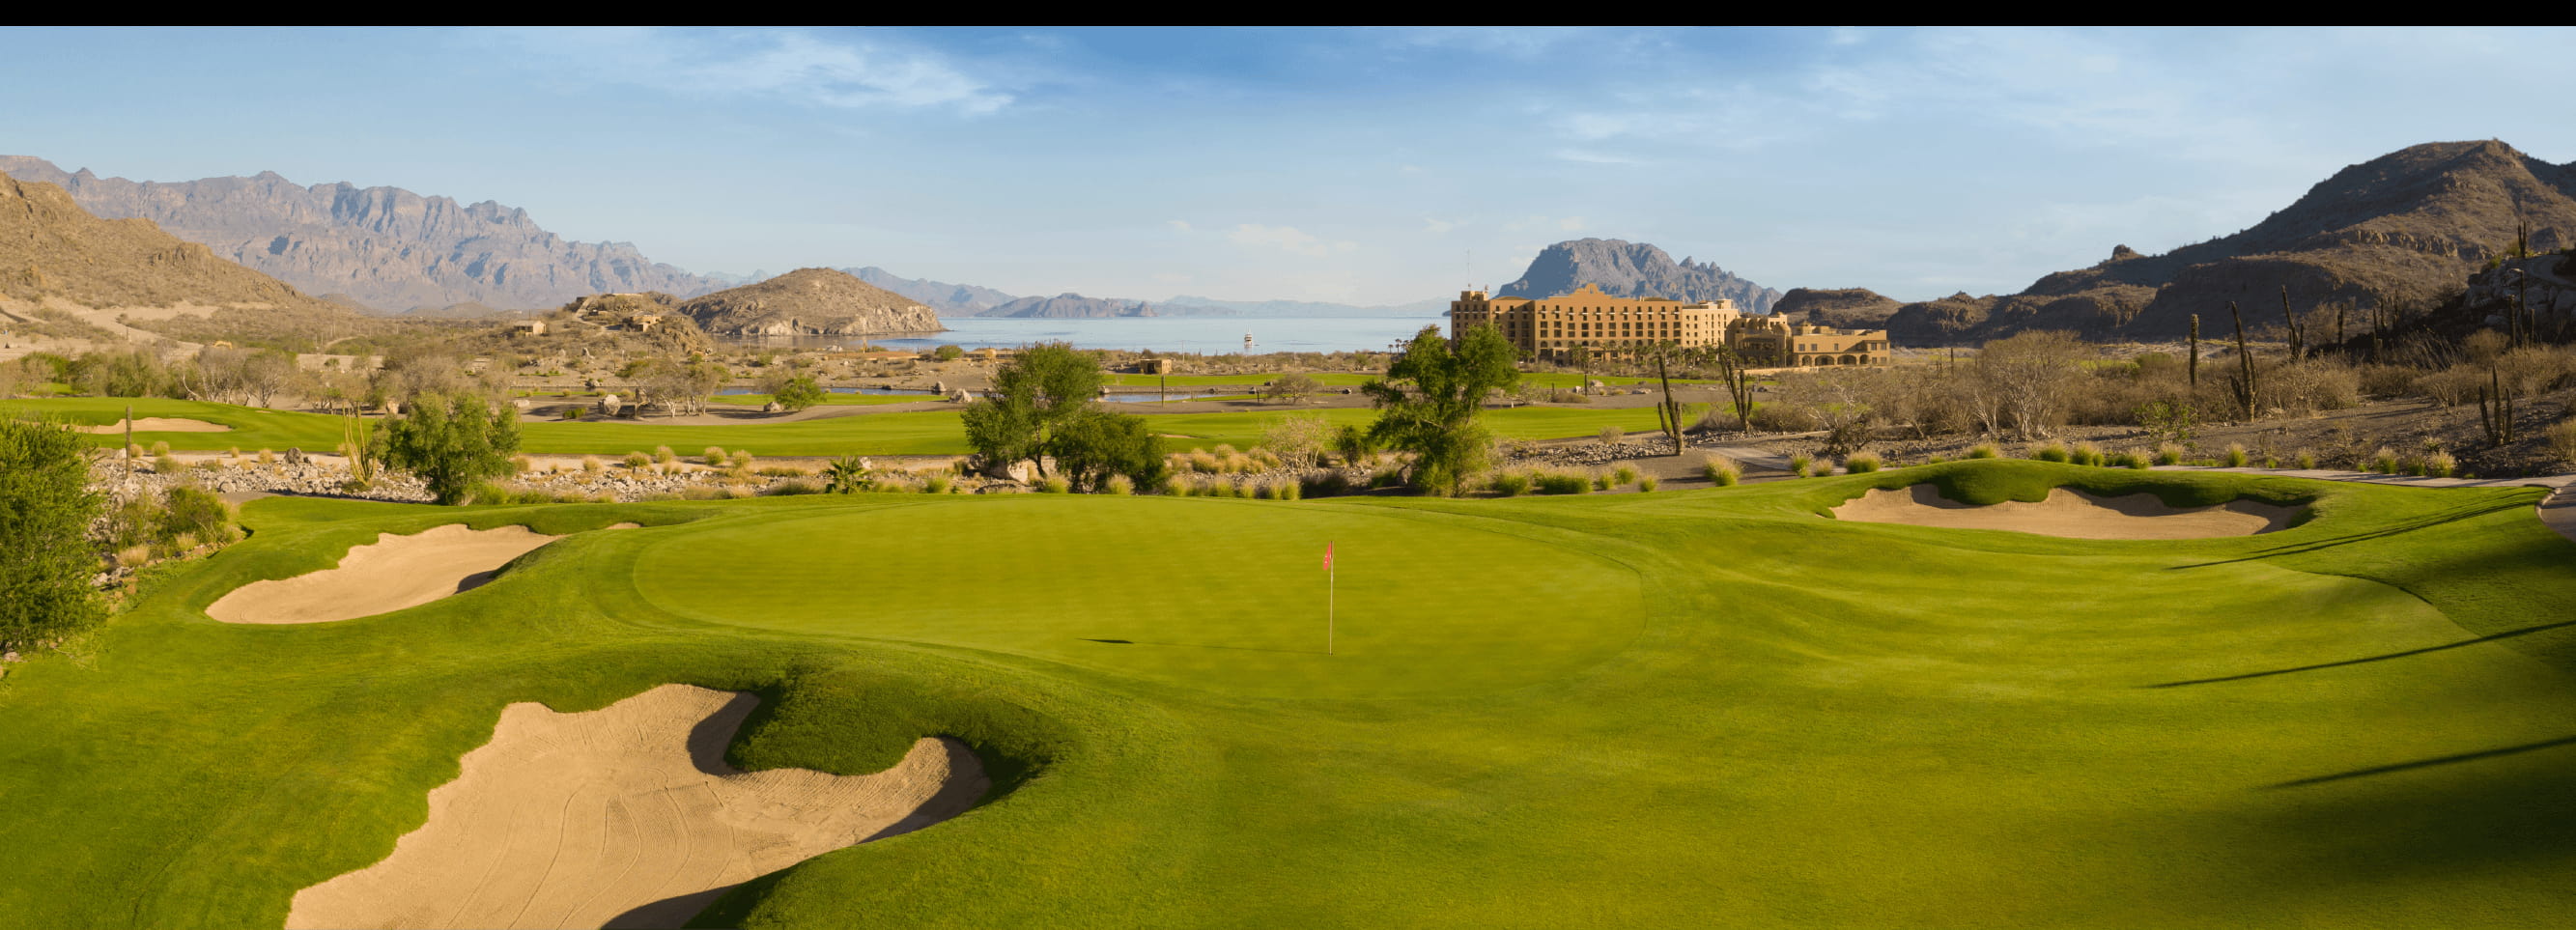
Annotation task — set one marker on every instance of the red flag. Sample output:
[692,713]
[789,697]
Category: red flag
[1328,557]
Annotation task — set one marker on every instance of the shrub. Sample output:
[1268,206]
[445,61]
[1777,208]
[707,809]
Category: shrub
[715,457]
[793,487]
[164,464]
[570,412]
[943,484]
[1176,485]
[1055,485]
[1611,435]
[1624,474]
[1647,483]
[2051,451]
[664,455]
[2169,454]
[637,460]
[44,475]
[2562,441]
[1510,483]
[703,492]
[1601,481]
[1563,481]
[1802,465]
[2306,460]
[741,460]
[1861,463]
[2086,453]
[2383,461]
[590,464]
[161,448]
[1722,471]
[267,458]
[1331,483]
[2235,455]
[2441,464]
[192,511]
[1985,450]
[1120,485]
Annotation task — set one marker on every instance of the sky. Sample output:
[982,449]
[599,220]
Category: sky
[1369,166]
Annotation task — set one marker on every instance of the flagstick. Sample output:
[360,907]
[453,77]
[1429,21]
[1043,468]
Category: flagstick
[1329,578]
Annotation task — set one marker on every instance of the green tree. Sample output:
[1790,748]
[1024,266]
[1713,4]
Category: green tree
[1039,390]
[1430,400]
[1094,444]
[948,353]
[798,393]
[45,511]
[453,443]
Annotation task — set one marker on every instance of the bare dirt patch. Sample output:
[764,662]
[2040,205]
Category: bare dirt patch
[390,574]
[161,425]
[2069,513]
[626,816]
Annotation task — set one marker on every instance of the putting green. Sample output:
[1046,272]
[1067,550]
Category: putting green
[1215,593]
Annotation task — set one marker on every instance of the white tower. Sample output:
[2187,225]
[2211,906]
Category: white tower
[1247,343]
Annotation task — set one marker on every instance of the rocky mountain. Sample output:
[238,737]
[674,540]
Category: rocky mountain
[952,299]
[383,246]
[810,301]
[56,257]
[1070,305]
[1634,269]
[2405,229]
[1851,307]
[1186,305]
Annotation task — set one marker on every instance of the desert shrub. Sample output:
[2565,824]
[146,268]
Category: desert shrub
[637,460]
[2441,465]
[741,460]
[1326,485]
[1562,481]
[1786,418]
[1120,485]
[165,464]
[590,464]
[2050,451]
[703,492]
[1055,484]
[1802,465]
[1601,481]
[1259,490]
[1611,435]
[1176,485]
[2168,454]
[1236,463]
[1647,483]
[793,487]
[714,457]
[196,512]
[2086,453]
[1204,463]
[1510,483]
[1722,471]
[1286,489]
[2235,455]
[1624,474]
[570,412]
[944,484]
[1985,450]
[1299,440]
[1861,463]
[2383,461]
[1386,477]
[2305,460]
[267,458]
[2387,380]
[664,455]
[1265,459]
[161,448]
[2561,440]
[2410,465]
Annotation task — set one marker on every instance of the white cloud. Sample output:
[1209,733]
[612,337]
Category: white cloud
[1182,225]
[1287,238]
[1437,226]
[844,70]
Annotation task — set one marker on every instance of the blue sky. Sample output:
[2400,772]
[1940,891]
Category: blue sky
[1367,166]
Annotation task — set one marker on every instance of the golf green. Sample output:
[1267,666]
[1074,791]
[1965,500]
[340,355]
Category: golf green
[1222,594]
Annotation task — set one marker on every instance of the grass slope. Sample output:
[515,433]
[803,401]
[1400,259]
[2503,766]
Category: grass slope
[1714,707]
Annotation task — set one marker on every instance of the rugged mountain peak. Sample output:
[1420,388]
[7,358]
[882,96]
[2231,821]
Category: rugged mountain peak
[810,301]
[1633,269]
[384,246]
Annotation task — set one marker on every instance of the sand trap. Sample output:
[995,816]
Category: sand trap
[2069,513]
[162,425]
[626,816]
[387,575]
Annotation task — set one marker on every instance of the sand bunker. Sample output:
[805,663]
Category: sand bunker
[2070,513]
[162,425]
[626,816]
[387,575]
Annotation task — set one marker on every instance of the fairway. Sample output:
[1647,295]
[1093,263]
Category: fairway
[1707,708]
[1218,594]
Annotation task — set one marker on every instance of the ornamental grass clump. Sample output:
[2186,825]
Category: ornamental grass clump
[1176,485]
[1563,481]
[2050,451]
[2169,453]
[637,460]
[715,457]
[2441,465]
[2383,461]
[664,455]
[2086,453]
[1510,484]
[1985,450]
[2235,455]
[1802,465]
[1055,484]
[1861,463]
[943,484]
[2305,460]
[1624,474]
[1647,484]
[1722,471]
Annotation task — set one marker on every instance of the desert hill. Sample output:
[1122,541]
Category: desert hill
[1069,305]
[953,299]
[385,247]
[1634,269]
[810,301]
[2407,229]
[55,255]
[1853,307]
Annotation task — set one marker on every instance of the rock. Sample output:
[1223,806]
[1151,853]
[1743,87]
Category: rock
[773,407]
[294,455]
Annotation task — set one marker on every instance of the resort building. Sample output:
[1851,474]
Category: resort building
[1550,327]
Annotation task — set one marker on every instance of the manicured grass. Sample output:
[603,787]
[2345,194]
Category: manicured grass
[933,432]
[830,398]
[1342,379]
[1680,709]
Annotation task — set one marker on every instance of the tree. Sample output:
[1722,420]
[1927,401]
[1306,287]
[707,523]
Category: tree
[453,443]
[948,353]
[797,393]
[1042,388]
[46,508]
[1289,388]
[1430,399]
[2023,382]
[1093,444]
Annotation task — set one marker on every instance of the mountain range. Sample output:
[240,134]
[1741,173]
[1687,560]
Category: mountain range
[382,247]
[810,301]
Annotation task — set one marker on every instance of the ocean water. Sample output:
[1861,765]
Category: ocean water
[1207,335]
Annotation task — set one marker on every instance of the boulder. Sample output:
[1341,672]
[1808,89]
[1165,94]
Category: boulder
[773,407]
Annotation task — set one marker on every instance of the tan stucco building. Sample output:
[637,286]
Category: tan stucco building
[1549,327]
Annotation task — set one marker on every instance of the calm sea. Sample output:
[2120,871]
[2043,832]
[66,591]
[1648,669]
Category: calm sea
[1206,335]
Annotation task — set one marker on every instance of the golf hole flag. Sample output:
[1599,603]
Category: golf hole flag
[1328,557]
[1328,598]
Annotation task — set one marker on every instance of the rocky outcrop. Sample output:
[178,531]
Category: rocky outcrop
[1634,269]
[1071,306]
[1852,307]
[384,247]
[810,301]
[2404,230]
